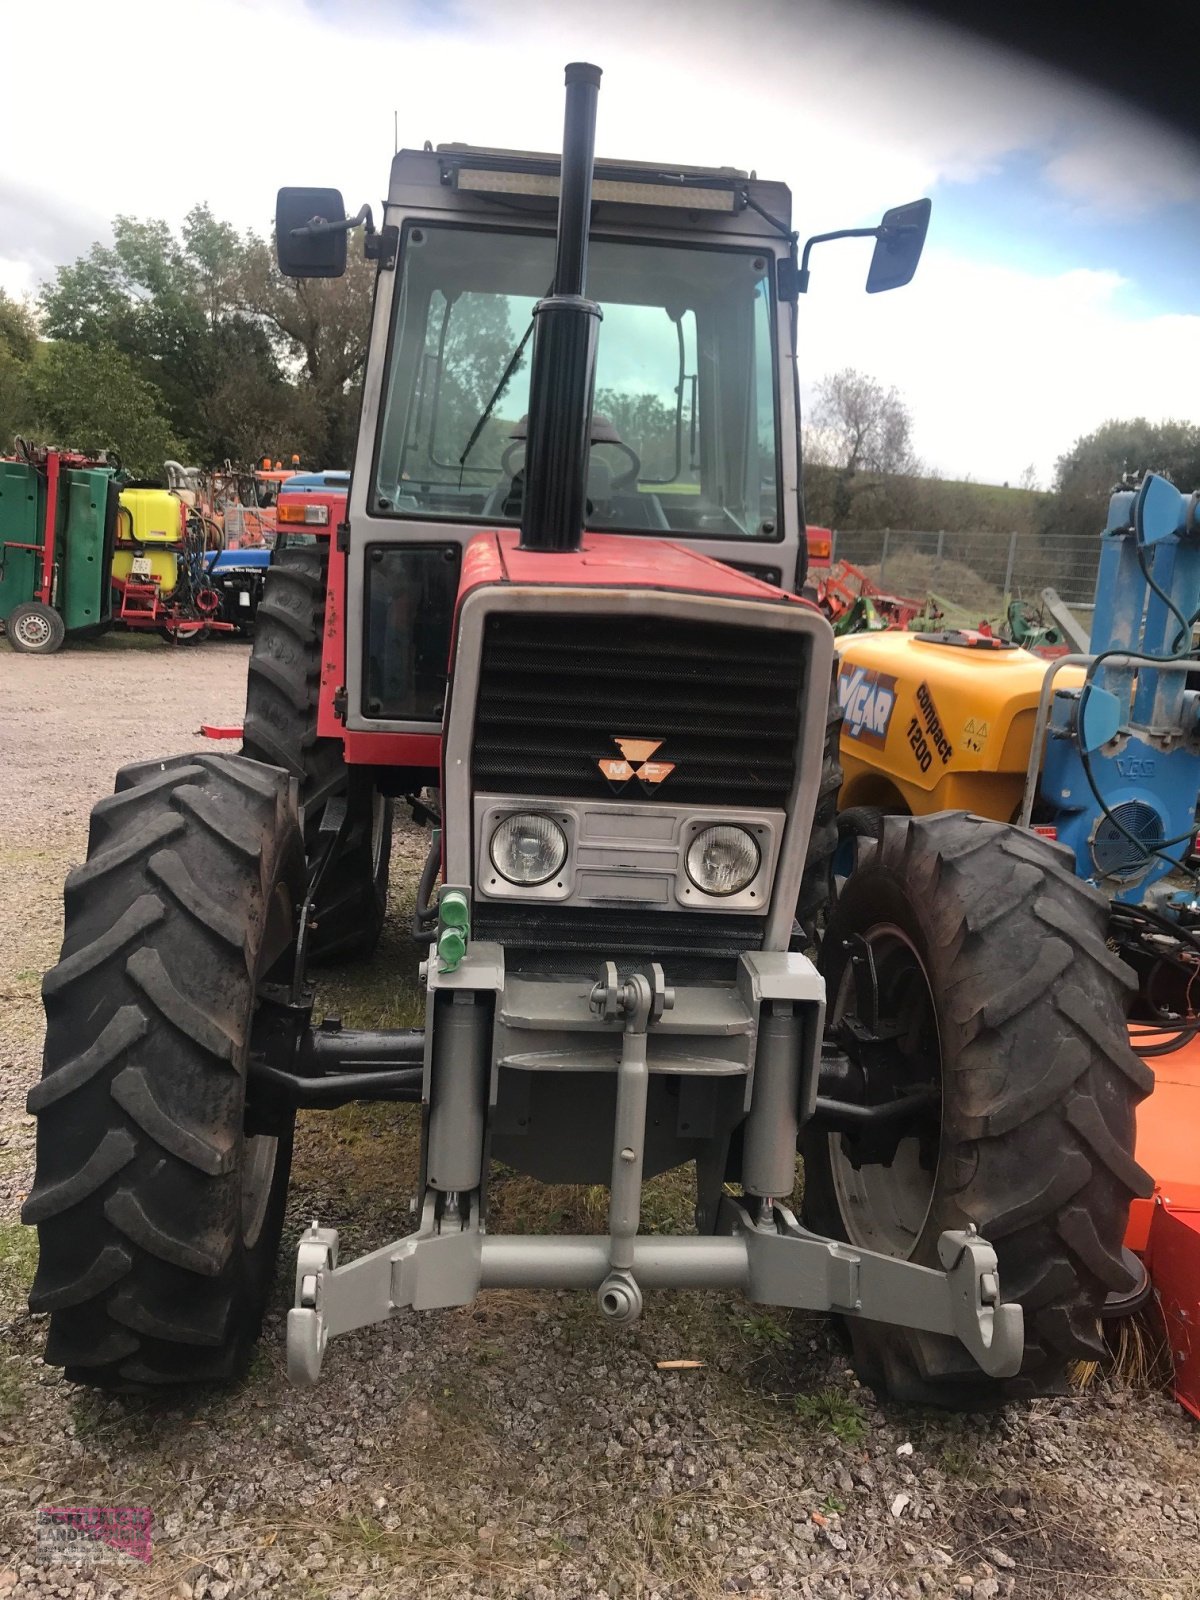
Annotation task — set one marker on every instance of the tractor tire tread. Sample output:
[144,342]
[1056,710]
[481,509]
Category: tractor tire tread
[137,1193]
[133,923]
[167,868]
[111,1264]
[1037,1135]
[280,679]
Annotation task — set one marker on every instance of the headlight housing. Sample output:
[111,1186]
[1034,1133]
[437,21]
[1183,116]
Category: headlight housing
[528,849]
[723,859]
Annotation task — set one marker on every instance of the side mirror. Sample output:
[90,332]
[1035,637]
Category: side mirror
[310,233]
[898,246]
[1159,510]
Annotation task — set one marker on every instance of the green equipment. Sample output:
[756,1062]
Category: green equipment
[58,514]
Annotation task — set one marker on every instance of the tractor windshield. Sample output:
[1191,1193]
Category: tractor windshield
[685,431]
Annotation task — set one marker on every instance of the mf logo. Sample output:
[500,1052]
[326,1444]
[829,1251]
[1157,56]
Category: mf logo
[868,699]
[635,762]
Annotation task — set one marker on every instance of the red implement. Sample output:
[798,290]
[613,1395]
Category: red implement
[1165,1230]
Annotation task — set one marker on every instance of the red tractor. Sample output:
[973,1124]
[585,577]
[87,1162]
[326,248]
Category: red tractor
[560,621]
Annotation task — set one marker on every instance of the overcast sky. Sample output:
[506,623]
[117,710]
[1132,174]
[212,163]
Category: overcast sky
[1059,283]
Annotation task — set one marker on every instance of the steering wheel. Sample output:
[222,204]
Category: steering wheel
[603,432]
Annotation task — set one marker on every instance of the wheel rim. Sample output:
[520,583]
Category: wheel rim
[33,630]
[886,1208]
[378,817]
[259,1154]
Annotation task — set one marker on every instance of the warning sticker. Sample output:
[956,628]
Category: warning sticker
[867,699]
[974,735]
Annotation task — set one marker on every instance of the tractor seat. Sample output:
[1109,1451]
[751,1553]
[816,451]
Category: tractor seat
[506,497]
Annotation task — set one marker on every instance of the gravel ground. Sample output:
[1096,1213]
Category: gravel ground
[518,1447]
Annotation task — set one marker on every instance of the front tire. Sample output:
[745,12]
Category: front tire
[993,972]
[158,1209]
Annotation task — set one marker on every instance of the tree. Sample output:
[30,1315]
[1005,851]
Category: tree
[647,425]
[176,308]
[90,397]
[862,431]
[321,325]
[18,345]
[1086,475]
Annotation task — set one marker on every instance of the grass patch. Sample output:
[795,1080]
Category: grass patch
[12,1391]
[366,1154]
[830,1411]
[423,1552]
[763,1332]
[18,1262]
[380,993]
[520,1204]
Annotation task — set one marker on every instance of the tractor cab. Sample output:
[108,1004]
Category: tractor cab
[693,429]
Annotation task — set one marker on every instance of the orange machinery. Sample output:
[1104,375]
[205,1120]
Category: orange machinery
[1165,1229]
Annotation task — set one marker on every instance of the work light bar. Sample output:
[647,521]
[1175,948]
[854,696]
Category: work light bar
[687,194]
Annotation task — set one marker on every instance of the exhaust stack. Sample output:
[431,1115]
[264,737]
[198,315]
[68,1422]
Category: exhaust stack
[563,370]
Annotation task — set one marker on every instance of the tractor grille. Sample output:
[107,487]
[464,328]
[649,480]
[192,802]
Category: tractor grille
[557,692]
[573,938]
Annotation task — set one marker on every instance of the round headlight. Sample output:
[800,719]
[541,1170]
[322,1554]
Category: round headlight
[723,859]
[528,849]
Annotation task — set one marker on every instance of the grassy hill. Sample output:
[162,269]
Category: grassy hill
[923,503]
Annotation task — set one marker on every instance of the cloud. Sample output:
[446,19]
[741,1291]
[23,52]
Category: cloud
[1001,367]
[852,104]
[856,107]
[39,230]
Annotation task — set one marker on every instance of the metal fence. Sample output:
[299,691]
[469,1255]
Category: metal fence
[975,571]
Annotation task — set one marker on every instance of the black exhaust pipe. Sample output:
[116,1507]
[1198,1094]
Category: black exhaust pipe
[563,370]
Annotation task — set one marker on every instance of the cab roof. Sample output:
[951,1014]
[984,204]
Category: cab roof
[484,180]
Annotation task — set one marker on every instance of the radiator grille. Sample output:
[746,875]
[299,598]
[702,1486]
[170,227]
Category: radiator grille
[566,933]
[556,692]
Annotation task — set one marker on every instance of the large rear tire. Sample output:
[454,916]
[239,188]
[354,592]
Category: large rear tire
[993,971]
[158,1212]
[282,696]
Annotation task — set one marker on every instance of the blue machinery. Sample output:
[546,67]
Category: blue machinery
[1121,770]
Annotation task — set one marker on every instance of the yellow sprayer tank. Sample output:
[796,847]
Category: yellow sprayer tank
[149,538]
[938,722]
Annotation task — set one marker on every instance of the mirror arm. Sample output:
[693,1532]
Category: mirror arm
[824,238]
[319,225]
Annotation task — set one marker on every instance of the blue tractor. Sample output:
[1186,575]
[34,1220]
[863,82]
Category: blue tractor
[238,575]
